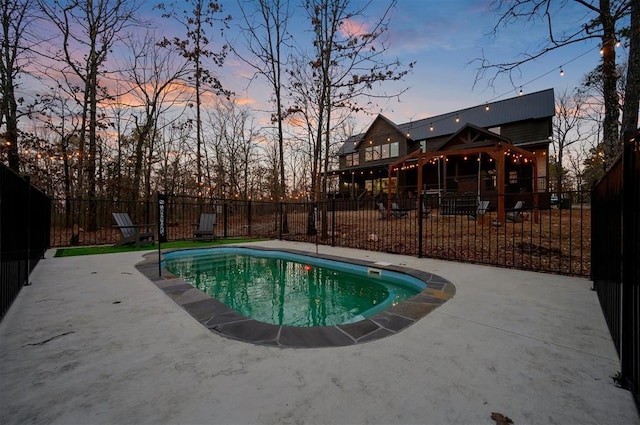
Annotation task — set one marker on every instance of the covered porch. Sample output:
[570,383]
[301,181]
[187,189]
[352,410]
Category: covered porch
[476,163]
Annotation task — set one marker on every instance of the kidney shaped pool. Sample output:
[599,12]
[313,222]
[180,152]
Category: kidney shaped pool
[295,299]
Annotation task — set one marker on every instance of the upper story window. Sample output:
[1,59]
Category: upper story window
[353,159]
[374,153]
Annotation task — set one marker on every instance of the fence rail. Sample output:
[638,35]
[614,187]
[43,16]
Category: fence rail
[616,250]
[24,233]
[550,239]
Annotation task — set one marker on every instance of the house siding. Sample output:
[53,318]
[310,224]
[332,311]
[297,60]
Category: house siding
[526,131]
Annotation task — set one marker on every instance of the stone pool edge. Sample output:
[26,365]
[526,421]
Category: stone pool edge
[224,321]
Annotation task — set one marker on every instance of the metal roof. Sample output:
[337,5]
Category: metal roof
[529,106]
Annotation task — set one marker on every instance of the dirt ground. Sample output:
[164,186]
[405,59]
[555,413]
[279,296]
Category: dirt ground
[554,240]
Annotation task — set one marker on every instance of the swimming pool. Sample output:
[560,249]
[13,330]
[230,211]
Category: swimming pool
[290,289]
[225,321]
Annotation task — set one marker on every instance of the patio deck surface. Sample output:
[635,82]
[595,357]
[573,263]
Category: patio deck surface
[94,341]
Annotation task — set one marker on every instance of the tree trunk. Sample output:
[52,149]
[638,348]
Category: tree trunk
[611,105]
[632,90]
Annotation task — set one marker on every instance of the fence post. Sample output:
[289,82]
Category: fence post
[280,211]
[420,212]
[27,263]
[249,217]
[225,218]
[629,351]
[333,221]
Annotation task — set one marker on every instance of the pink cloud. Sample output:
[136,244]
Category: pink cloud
[351,28]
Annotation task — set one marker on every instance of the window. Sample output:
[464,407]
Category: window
[394,149]
[353,159]
[377,152]
[384,151]
[513,177]
[374,153]
[368,153]
[377,186]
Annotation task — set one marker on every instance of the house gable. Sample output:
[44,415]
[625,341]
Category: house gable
[471,136]
[381,131]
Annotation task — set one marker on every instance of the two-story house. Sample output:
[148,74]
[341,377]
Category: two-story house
[453,153]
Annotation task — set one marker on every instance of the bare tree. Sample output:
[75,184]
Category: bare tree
[568,130]
[265,35]
[235,133]
[58,115]
[603,21]
[195,47]
[89,31]
[632,88]
[346,64]
[156,78]
[16,15]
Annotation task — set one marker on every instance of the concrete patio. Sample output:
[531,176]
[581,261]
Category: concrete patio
[93,341]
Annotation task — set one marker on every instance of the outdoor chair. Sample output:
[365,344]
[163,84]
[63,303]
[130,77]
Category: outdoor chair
[396,211]
[131,232]
[483,206]
[515,213]
[425,211]
[207,227]
[383,210]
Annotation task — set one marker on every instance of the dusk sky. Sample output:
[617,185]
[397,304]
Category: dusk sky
[443,38]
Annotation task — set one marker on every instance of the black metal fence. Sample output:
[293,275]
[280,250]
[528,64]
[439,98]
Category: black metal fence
[24,233]
[542,238]
[616,258]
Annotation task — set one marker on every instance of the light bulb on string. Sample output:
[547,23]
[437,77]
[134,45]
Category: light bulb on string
[561,72]
[520,92]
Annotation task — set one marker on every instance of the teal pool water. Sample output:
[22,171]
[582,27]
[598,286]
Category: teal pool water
[290,289]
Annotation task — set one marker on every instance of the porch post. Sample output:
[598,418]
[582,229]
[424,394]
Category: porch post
[500,166]
[420,164]
[536,204]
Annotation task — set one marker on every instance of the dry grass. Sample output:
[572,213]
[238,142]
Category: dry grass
[557,241]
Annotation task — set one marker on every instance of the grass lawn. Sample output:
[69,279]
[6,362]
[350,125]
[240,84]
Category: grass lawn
[108,249]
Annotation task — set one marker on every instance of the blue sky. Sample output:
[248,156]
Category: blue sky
[443,38]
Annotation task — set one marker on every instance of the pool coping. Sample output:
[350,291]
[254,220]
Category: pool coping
[222,320]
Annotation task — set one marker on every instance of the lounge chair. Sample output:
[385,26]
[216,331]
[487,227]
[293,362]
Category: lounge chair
[481,210]
[396,211]
[425,211]
[207,227]
[515,213]
[382,209]
[131,232]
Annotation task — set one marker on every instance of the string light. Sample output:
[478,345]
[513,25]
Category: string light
[561,72]
[520,92]
[546,73]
